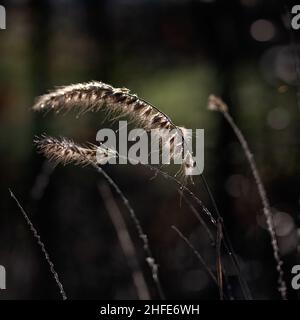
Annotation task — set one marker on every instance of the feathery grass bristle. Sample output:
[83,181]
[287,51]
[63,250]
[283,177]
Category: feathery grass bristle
[66,151]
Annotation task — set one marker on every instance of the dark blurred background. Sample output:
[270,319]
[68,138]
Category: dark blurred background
[173,54]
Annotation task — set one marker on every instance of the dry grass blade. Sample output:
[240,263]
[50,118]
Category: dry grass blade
[42,246]
[199,218]
[42,180]
[227,243]
[196,253]
[125,241]
[219,260]
[216,104]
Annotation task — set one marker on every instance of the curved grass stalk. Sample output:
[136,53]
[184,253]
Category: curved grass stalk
[125,241]
[217,104]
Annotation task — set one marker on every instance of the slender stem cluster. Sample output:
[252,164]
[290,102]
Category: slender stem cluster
[216,104]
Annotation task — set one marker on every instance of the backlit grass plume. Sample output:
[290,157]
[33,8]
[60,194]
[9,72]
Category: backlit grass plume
[66,151]
[94,96]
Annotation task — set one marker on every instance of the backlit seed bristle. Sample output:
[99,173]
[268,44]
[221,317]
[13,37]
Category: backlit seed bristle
[66,151]
[93,96]
[216,104]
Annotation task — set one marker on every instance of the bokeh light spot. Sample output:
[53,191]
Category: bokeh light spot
[278,118]
[262,30]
